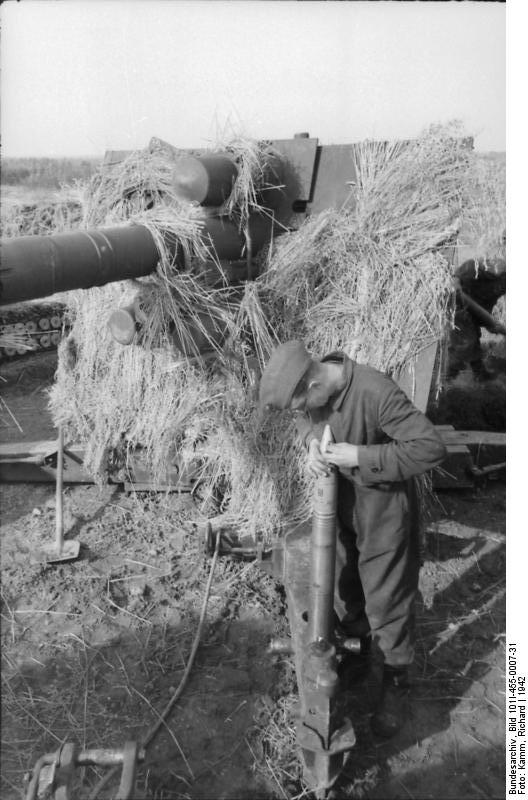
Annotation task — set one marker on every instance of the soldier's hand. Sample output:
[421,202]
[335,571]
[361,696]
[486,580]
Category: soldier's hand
[316,463]
[342,454]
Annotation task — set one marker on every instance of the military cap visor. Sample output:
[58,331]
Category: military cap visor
[287,366]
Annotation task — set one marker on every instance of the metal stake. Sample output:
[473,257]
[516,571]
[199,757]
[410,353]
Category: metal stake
[61,550]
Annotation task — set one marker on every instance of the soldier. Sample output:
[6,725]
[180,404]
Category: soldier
[382,442]
[483,281]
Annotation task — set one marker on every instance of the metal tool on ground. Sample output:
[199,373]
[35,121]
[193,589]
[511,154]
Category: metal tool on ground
[323,735]
[60,550]
[53,774]
[153,732]
[304,562]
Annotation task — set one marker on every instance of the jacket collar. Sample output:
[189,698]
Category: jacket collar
[337,400]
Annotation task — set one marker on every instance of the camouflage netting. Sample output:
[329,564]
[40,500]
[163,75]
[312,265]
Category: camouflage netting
[369,279]
[483,223]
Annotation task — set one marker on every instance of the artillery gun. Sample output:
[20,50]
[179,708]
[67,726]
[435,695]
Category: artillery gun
[305,178]
[35,326]
[35,267]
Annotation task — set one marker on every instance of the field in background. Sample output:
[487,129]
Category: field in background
[51,173]
[46,173]
[26,175]
[44,182]
[31,189]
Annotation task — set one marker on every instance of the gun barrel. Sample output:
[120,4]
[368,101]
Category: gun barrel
[39,266]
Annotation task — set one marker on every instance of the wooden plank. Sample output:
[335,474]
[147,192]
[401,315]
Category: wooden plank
[18,450]
[35,462]
[134,486]
[465,450]
[450,436]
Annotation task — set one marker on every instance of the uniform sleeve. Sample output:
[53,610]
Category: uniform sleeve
[415,445]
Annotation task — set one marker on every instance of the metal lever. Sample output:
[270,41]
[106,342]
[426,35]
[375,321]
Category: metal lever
[53,772]
[486,319]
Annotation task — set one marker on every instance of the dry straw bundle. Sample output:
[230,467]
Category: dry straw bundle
[141,181]
[371,279]
[64,212]
[368,279]
[484,218]
[256,162]
[149,395]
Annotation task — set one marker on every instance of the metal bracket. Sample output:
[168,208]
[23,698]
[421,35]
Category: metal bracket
[128,773]
[53,773]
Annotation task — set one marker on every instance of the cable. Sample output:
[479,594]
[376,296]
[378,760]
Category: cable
[155,728]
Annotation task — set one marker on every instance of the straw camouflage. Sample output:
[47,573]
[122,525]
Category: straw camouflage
[366,279]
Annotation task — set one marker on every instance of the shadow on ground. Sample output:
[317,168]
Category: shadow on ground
[452,744]
[102,695]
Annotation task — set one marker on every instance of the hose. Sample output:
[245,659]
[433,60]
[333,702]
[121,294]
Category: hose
[155,728]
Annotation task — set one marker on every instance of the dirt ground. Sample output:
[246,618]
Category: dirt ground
[93,650]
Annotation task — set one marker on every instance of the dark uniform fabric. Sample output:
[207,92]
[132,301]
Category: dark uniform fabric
[378,543]
[485,283]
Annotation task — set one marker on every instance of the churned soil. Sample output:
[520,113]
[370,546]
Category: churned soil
[93,649]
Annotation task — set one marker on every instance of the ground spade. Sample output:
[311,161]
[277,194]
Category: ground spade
[60,550]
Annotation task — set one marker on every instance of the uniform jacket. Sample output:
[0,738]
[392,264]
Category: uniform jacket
[483,284]
[377,507]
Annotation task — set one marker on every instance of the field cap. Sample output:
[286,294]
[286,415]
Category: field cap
[288,364]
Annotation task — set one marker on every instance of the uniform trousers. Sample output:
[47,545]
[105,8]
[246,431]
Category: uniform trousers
[377,565]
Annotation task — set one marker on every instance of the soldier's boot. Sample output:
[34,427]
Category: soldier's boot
[390,714]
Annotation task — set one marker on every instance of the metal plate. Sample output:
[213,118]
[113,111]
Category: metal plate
[70,551]
[334,174]
[299,156]
[415,378]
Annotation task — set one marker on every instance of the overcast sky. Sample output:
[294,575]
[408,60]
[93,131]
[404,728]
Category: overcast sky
[82,77]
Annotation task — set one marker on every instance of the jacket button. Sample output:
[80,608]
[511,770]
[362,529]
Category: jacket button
[375,469]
